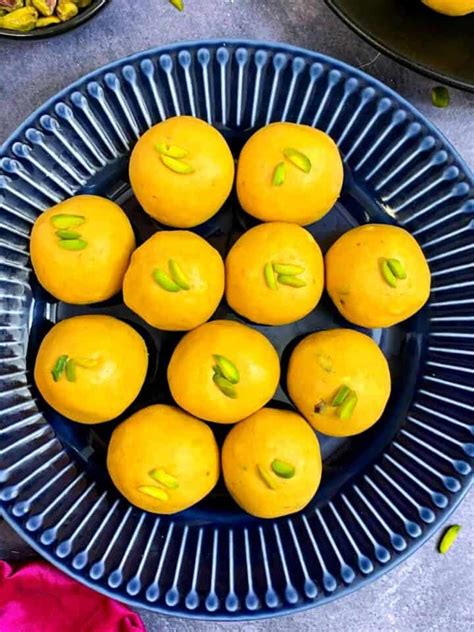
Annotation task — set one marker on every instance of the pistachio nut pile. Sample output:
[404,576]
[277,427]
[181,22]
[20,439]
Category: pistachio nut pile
[26,15]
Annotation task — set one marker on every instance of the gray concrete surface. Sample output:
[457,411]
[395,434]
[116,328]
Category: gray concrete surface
[428,592]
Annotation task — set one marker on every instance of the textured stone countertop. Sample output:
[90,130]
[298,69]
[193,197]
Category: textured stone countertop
[428,592]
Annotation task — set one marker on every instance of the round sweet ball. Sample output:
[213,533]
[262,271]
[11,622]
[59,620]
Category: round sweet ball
[271,463]
[175,281]
[163,460]
[339,380]
[451,7]
[289,173]
[377,275]
[91,368]
[274,274]
[80,249]
[223,371]
[181,171]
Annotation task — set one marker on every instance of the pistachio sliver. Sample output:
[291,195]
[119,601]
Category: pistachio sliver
[387,273]
[58,368]
[289,269]
[160,476]
[339,398]
[172,151]
[179,4]
[154,492]
[72,244]
[86,363]
[292,281]
[279,175]
[68,234]
[346,409]
[265,476]
[448,538]
[176,165]
[270,277]
[163,280]
[225,387]
[178,275]
[396,266]
[283,469]
[297,158]
[65,221]
[71,370]
[227,369]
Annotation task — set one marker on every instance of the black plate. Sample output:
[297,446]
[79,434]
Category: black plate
[57,29]
[436,45]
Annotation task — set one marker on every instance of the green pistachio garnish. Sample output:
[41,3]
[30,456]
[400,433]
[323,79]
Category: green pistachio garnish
[227,369]
[279,175]
[440,96]
[65,221]
[225,386]
[68,234]
[288,269]
[387,273]
[179,4]
[160,476]
[86,363]
[172,151]
[346,409]
[266,477]
[58,368]
[164,281]
[448,538]
[292,281]
[397,268]
[342,392]
[71,370]
[72,244]
[178,275]
[297,158]
[270,277]
[154,492]
[176,165]
[283,469]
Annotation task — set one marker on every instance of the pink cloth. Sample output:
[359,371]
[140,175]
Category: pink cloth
[35,597]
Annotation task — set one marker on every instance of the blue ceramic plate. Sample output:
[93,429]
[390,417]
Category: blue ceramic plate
[384,492]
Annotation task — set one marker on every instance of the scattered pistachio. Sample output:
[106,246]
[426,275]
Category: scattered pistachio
[64,221]
[227,369]
[179,4]
[68,234]
[154,492]
[225,387]
[178,275]
[266,477]
[342,392]
[387,274]
[396,266]
[440,96]
[297,158]
[449,536]
[66,9]
[288,269]
[71,370]
[72,244]
[58,368]
[270,278]
[44,7]
[346,409]
[283,469]
[173,151]
[164,281]
[279,175]
[87,363]
[23,20]
[292,281]
[320,407]
[160,476]
[43,22]
[176,165]
[11,5]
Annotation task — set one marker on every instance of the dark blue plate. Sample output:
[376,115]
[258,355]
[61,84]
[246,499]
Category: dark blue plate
[384,492]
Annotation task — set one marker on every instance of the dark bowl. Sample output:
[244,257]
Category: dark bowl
[435,45]
[57,29]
